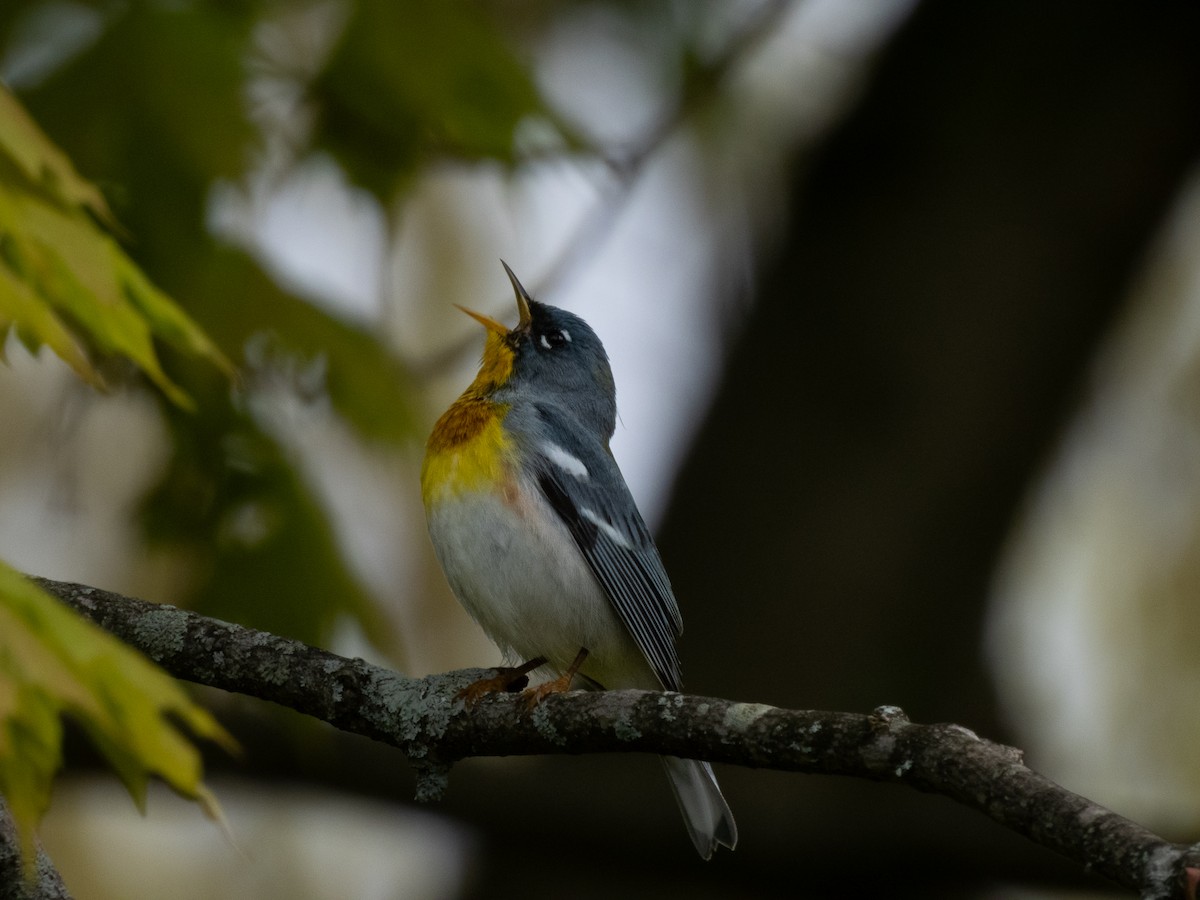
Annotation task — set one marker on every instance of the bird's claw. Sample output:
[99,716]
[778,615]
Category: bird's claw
[532,697]
[505,680]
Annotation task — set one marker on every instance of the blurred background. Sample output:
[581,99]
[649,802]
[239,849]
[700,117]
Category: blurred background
[903,302]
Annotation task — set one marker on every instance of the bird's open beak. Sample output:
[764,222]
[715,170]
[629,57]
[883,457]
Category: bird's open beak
[526,317]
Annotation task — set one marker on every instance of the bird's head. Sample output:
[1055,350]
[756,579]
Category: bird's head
[551,356]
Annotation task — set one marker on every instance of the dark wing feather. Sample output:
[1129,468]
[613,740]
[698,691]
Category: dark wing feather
[620,552]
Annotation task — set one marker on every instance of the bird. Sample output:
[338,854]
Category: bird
[540,538]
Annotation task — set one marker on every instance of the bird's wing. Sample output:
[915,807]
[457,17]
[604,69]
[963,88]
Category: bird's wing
[580,479]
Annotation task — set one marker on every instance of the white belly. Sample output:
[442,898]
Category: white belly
[515,568]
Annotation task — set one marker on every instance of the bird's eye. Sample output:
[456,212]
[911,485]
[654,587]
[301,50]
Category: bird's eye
[553,339]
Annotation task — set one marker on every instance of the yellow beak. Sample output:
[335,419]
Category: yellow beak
[486,321]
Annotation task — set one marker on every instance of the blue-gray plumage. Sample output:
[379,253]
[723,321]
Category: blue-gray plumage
[554,560]
[622,555]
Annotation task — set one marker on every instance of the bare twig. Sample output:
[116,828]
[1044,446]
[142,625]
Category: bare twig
[421,717]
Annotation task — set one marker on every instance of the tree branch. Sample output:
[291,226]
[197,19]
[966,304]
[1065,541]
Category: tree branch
[42,883]
[421,717]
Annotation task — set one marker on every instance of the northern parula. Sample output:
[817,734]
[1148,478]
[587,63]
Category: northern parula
[541,540]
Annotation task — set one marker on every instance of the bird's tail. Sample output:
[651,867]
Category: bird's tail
[705,812]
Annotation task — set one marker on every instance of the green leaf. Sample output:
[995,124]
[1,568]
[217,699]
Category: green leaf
[52,662]
[66,283]
[42,163]
[37,324]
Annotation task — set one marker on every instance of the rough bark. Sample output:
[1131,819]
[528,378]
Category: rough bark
[42,883]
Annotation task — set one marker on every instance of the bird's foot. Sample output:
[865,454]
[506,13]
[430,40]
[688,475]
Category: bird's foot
[505,679]
[531,697]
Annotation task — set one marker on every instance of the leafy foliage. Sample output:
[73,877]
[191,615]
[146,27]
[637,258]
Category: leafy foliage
[163,141]
[54,662]
[64,282]
[67,284]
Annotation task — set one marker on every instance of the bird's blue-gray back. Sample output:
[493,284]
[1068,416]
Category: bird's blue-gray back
[594,503]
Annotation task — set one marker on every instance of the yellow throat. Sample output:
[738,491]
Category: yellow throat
[468,449]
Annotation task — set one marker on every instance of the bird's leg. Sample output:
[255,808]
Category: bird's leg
[531,697]
[507,678]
